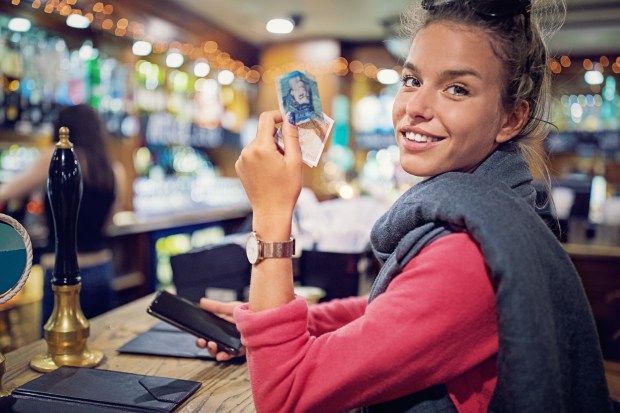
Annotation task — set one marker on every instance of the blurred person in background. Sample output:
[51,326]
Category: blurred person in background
[104,184]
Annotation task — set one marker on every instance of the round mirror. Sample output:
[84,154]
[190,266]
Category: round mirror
[15,257]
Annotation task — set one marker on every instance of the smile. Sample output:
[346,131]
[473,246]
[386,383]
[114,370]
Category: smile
[416,137]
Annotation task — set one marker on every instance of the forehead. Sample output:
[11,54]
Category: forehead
[447,45]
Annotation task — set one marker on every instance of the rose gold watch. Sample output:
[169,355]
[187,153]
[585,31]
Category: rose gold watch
[258,250]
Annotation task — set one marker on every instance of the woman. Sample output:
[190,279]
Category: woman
[477,307]
[103,186]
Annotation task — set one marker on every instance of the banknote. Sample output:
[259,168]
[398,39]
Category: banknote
[298,93]
[313,135]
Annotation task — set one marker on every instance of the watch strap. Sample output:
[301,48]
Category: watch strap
[284,249]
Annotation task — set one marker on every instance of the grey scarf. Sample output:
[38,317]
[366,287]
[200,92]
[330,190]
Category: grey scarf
[549,357]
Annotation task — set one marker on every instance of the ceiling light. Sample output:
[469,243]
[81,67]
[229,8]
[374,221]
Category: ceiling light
[77,21]
[594,77]
[388,76]
[174,59]
[19,24]
[201,68]
[226,77]
[280,26]
[142,48]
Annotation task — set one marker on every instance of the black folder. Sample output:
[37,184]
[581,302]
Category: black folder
[164,339]
[74,389]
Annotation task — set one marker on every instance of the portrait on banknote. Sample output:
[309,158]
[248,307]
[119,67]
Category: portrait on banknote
[299,101]
[299,94]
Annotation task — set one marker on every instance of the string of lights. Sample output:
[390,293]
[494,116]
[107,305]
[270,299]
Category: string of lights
[207,55]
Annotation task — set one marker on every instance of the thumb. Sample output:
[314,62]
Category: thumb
[213,306]
[290,136]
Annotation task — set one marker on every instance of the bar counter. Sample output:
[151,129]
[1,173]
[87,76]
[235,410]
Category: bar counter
[225,386]
[128,222]
[133,239]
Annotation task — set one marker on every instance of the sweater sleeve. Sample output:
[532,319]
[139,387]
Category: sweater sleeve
[435,322]
[328,316]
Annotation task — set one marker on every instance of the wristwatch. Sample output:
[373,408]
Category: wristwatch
[258,250]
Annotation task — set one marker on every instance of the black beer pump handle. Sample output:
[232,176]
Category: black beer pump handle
[64,190]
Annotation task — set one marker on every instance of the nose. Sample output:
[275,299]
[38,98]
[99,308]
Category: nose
[418,104]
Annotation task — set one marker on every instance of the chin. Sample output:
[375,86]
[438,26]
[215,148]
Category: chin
[420,172]
[417,168]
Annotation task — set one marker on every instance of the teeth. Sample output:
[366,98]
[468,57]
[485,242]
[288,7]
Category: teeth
[416,137]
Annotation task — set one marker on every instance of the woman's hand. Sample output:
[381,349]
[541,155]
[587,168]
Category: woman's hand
[272,179]
[224,310]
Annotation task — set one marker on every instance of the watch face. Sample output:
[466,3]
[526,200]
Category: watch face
[251,248]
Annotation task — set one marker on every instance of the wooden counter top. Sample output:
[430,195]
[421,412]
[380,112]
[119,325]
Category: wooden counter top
[128,222]
[225,386]
[612,372]
[592,250]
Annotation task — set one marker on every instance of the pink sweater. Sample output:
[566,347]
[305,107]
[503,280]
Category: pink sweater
[436,323]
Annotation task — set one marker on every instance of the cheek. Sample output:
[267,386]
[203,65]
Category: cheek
[471,120]
[398,109]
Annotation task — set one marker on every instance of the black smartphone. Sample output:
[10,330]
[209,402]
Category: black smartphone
[188,316]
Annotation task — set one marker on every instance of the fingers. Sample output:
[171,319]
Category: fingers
[219,307]
[213,306]
[213,350]
[266,126]
[263,145]
[221,355]
[290,135]
[264,150]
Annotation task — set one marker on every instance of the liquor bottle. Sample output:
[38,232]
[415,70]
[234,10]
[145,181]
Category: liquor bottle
[94,81]
[12,70]
[32,83]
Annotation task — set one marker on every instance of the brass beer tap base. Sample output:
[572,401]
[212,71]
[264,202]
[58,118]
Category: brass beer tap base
[66,333]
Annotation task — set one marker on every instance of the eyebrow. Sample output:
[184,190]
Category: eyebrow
[448,74]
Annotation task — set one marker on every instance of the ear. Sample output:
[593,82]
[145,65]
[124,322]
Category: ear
[515,120]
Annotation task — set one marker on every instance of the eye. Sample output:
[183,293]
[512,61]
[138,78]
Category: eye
[410,81]
[457,90]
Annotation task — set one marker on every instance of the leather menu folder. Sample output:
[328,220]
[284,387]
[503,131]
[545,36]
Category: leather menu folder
[166,340]
[73,389]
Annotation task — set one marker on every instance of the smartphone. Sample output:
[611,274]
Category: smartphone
[188,316]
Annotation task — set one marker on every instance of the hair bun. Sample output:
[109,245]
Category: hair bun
[548,16]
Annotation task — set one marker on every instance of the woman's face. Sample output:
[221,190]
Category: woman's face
[299,91]
[448,114]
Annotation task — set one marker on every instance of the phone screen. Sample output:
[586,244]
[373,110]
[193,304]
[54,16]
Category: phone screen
[187,316]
